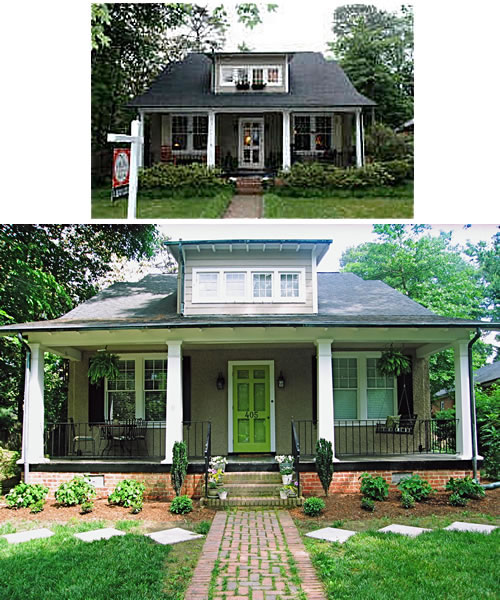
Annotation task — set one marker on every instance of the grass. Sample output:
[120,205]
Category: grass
[383,203]
[129,566]
[378,566]
[152,204]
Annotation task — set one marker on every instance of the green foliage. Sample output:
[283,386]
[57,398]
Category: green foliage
[400,170]
[445,428]
[37,507]
[99,18]
[86,507]
[76,491]
[374,487]
[488,423]
[324,463]
[179,466]
[393,363]
[27,495]
[8,463]
[457,500]
[407,500]
[485,256]
[103,365]
[128,493]
[313,506]
[197,178]
[203,527]
[384,145]
[367,504]
[465,487]
[417,487]
[136,506]
[181,505]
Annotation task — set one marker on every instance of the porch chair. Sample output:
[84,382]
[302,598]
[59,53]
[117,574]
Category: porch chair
[80,439]
[138,434]
[167,155]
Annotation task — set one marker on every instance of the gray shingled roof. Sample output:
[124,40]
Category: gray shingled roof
[344,299]
[314,81]
[487,373]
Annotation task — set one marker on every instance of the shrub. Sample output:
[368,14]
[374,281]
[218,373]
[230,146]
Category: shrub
[324,463]
[368,504]
[457,500]
[465,487]
[407,500]
[202,528]
[382,143]
[488,423]
[37,506]
[76,491]
[417,487]
[399,170]
[195,177]
[127,493]
[179,466]
[136,506]
[8,464]
[313,506]
[27,495]
[374,486]
[87,507]
[181,505]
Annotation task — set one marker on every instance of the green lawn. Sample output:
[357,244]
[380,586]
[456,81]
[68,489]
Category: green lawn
[153,205]
[378,566]
[63,567]
[374,203]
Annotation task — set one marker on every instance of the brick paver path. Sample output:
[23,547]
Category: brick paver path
[256,554]
[244,207]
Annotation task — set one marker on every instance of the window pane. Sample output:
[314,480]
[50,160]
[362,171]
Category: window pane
[273,75]
[155,375]
[289,285]
[243,75]
[262,285]
[345,373]
[227,74]
[258,76]
[122,405]
[155,406]
[235,285]
[345,404]
[200,133]
[323,133]
[207,285]
[380,403]
[179,132]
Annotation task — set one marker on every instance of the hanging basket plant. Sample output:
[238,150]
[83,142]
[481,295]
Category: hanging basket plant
[393,363]
[103,364]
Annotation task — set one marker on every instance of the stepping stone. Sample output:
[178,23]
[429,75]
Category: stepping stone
[98,534]
[331,534]
[173,536]
[475,527]
[26,536]
[404,530]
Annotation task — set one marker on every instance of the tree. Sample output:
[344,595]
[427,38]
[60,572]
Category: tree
[375,48]
[433,272]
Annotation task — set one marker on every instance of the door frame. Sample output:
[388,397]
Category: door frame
[241,164]
[272,412]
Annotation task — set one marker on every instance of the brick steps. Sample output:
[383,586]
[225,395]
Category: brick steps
[252,489]
[249,186]
[248,501]
[258,488]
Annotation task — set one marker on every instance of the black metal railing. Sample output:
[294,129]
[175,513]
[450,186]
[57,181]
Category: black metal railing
[307,434]
[296,455]
[194,434]
[208,455]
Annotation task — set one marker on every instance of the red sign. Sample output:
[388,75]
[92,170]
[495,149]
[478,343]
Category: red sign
[121,171]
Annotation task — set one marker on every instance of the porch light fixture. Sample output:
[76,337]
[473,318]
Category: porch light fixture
[221,382]
[281,380]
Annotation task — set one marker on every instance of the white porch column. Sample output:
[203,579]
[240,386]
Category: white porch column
[359,155]
[211,139]
[287,161]
[34,420]
[140,158]
[462,400]
[326,424]
[173,427]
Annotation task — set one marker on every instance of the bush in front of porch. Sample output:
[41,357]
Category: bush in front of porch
[195,177]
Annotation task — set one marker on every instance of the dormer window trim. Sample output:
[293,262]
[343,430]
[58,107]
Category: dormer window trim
[258,285]
[271,76]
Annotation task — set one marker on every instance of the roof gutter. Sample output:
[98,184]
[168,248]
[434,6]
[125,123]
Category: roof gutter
[473,404]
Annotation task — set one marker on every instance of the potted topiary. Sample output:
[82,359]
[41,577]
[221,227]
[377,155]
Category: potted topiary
[103,365]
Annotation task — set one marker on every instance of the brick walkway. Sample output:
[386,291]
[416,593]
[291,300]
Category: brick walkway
[254,550]
[244,207]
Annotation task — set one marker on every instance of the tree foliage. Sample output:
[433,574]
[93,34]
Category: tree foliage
[375,48]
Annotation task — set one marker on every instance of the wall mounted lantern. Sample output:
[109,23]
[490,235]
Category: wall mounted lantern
[220,382]
[281,380]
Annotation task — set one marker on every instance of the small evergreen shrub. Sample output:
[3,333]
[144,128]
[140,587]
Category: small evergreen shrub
[324,463]
[27,495]
[465,487]
[87,507]
[128,493]
[76,491]
[457,500]
[313,506]
[374,487]
[202,528]
[417,487]
[407,500]
[181,505]
[367,504]
[196,177]
[179,466]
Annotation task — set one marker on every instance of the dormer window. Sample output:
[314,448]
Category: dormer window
[253,76]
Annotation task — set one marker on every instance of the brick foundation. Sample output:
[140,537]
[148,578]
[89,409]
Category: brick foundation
[158,485]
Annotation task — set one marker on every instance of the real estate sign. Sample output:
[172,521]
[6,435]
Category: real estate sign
[121,172]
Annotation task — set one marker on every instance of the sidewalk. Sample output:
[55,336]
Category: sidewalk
[254,554]
[244,207]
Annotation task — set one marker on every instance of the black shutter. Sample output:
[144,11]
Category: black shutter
[96,402]
[405,392]
[186,388]
[314,388]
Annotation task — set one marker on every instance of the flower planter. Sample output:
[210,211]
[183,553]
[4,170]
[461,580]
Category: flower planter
[222,495]
[212,492]
[258,86]
[242,86]
[283,495]
[286,479]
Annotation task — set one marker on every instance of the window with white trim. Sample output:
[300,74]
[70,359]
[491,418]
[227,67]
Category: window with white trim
[360,391]
[248,285]
[189,133]
[312,132]
[268,75]
[140,390]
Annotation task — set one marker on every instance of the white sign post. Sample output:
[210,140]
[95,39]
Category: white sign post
[135,140]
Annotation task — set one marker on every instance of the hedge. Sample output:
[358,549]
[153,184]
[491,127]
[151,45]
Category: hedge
[180,177]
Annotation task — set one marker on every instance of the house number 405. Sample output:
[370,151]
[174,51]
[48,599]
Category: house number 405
[251,414]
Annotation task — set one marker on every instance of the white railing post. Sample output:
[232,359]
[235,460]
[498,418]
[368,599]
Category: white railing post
[462,400]
[211,139]
[287,161]
[326,417]
[173,426]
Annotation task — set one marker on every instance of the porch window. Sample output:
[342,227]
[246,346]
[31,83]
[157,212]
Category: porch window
[345,388]
[323,133]
[189,133]
[380,392]
[262,285]
[312,132]
[200,133]
[121,392]
[302,133]
[179,132]
[155,389]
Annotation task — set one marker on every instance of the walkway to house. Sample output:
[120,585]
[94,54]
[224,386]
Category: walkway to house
[244,206]
[254,554]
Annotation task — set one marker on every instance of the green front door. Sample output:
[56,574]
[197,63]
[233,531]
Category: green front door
[251,408]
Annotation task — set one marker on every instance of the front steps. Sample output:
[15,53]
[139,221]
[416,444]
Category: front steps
[252,489]
[249,186]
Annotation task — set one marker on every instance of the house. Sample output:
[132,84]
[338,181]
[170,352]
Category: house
[248,351]
[253,112]
[485,377]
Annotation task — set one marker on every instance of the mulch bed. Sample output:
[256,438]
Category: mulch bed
[348,507]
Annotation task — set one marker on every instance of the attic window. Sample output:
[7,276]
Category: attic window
[253,75]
